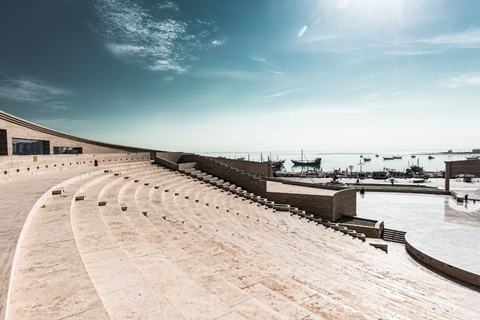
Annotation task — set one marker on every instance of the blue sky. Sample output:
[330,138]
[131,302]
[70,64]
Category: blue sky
[262,75]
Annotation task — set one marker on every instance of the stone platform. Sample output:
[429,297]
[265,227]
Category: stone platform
[441,232]
[174,247]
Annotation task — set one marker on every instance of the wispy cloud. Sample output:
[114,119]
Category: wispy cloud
[276,72]
[25,89]
[281,93]
[407,47]
[467,39]
[169,5]
[259,59]
[410,53]
[463,80]
[371,97]
[322,111]
[217,43]
[151,36]
[228,73]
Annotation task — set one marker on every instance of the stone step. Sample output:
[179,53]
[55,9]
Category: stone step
[392,235]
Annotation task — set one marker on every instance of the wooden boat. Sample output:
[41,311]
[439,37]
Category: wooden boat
[304,162]
[367,159]
[431,157]
[388,158]
[472,157]
[418,180]
[277,165]
[397,157]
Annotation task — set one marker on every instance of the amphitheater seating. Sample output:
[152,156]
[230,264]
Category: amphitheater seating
[189,246]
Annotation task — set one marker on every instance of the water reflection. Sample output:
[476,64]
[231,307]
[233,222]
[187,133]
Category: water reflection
[462,212]
[409,212]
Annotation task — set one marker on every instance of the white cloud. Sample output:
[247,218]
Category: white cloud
[323,111]
[410,53]
[463,80]
[281,93]
[467,39]
[217,43]
[259,59]
[352,43]
[150,37]
[371,97]
[25,89]
[166,65]
[169,5]
[229,73]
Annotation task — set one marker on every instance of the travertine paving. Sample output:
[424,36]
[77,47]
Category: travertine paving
[16,200]
[438,226]
[165,246]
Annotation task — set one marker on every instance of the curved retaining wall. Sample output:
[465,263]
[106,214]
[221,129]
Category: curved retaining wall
[18,166]
[436,264]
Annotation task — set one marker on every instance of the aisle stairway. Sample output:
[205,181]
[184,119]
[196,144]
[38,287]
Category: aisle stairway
[151,243]
[394,235]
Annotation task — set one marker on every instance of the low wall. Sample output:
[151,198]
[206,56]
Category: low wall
[232,175]
[369,232]
[452,271]
[263,169]
[17,166]
[170,156]
[165,160]
[344,203]
[453,168]
[320,206]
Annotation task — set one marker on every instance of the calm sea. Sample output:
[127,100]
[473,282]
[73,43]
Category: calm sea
[331,161]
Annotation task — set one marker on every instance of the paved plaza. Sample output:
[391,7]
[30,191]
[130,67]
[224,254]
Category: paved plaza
[438,226]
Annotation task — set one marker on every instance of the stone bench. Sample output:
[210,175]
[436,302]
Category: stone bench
[80,196]
[281,207]
[58,191]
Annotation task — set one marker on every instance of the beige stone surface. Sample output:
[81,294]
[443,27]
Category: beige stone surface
[189,260]
[273,186]
[16,200]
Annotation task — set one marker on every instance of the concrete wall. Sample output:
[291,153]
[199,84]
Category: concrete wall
[13,127]
[455,272]
[344,203]
[453,168]
[327,207]
[320,206]
[232,175]
[263,169]
[170,156]
[167,159]
[17,166]
[369,232]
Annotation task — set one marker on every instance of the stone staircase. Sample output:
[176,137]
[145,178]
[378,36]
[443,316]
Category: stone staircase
[392,235]
[174,246]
